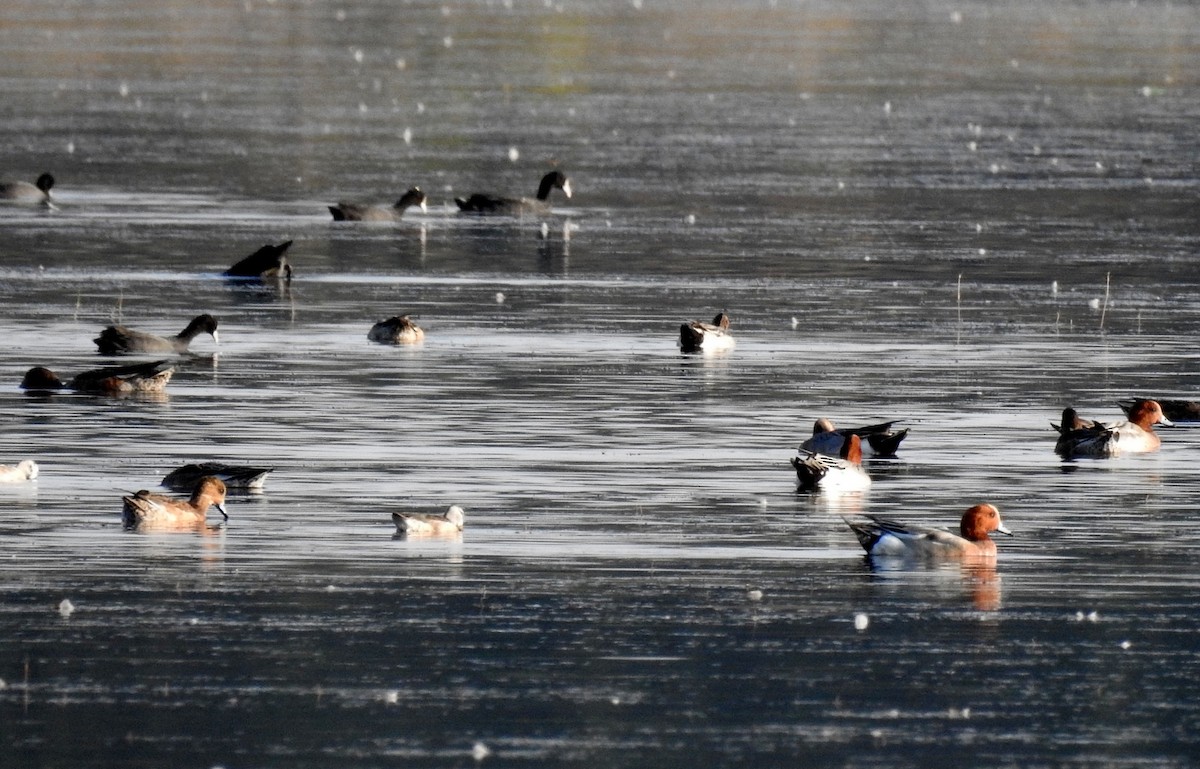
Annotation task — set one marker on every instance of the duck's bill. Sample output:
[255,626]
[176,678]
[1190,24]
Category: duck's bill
[221,509]
[1004,530]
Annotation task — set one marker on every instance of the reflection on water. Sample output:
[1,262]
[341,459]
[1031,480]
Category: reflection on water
[962,218]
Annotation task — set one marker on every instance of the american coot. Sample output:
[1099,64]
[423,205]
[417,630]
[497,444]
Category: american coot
[24,192]
[365,212]
[234,476]
[697,336]
[119,340]
[489,204]
[397,330]
[450,522]
[266,263]
[149,378]
[146,509]
[883,537]
[1109,440]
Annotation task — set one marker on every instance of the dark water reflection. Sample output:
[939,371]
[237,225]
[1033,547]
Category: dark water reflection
[966,217]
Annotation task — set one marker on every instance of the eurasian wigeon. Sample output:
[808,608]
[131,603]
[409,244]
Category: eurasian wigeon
[147,509]
[122,340]
[884,537]
[25,470]
[1174,410]
[233,476]
[396,330]
[1133,436]
[267,263]
[881,438]
[24,192]
[482,203]
[697,336]
[450,522]
[144,378]
[366,212]
[822,472]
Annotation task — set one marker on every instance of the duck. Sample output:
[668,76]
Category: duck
[24,192]
[145,378]
[396,330]
[481,203]
[697,336]
[885,537]
[25,470]
[1133,436]
[881,438]
[842,473]
[1072,421]
[365,212]
[144,508]
[1174,410]
[233,476]
[450,522]
[120,340]
[267,263]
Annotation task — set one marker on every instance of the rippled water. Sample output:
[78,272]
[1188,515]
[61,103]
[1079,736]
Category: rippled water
[965,216]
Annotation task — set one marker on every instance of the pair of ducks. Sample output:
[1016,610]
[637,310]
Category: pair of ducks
[479,203]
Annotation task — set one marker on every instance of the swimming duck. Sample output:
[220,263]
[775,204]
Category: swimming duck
[881,438]
[119,340]
[1174,410]
[450,522]
[1102,439]
[822,472]
[480,203]
[365,212]
[1072,421]
[113,380]
[24,192]
[697,336]
[884,537]
[267,263]
[396,330]
[146,508]
[233,476]
[25,470]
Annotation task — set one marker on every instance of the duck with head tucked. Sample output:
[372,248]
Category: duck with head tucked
[486,204]
[149,510]
[267,263]
[366,212]
[24,192]
[450,522]
[1100,439]
[697,336]
[843,473]
[138,378]
[233,476]
[25,470]
[885,537]
[396,330]
[122,340]
[881,438]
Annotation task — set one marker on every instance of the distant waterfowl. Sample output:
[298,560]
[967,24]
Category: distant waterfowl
[697,336]
[396,330]
[884,537]
[450,522]
[233,476]
[481,203]
[148,378]
[366,212]
[822,472]
[267,263]
[25,470]
[881,438]
[147,509]
[1136,435]
[120,340]
[24,192]
[1174,410]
